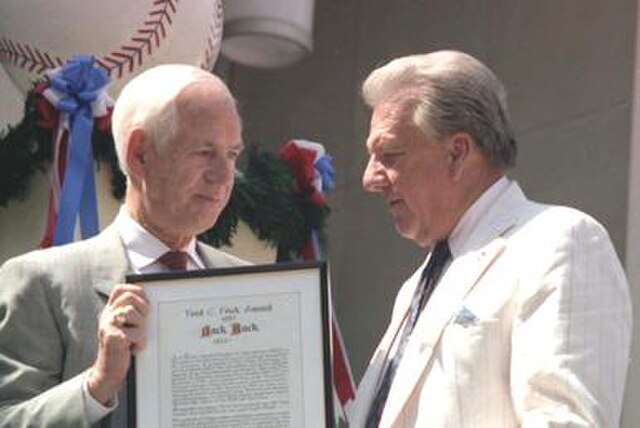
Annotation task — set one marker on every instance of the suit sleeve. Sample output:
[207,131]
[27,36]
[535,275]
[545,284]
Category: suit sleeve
[32,391]
[572,332]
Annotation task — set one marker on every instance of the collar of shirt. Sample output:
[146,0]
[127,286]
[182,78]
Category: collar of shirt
[469,220]
[143,249]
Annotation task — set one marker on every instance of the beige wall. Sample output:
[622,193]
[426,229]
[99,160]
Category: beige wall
[632,411]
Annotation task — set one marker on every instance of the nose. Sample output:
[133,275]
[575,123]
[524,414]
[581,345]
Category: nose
[220,171]
[374,178]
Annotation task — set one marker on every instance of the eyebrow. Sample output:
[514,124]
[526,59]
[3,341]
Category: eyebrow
[383,142]
[374,143]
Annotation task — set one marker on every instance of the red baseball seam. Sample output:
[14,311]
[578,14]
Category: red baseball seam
[125,59]
[215,33]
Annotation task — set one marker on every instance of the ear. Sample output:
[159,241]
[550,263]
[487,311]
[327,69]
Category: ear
[138,153]
[461,146]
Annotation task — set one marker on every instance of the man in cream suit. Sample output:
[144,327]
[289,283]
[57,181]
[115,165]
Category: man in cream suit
[68,324]
[529,325]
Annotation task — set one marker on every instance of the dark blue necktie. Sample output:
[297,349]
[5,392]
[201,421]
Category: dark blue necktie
[430,275]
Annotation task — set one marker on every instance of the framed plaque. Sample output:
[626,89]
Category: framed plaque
[232,347]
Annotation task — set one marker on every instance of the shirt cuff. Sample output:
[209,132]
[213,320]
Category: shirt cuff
[92,407]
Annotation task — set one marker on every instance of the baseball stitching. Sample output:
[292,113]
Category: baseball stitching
[215,33]
[124,60]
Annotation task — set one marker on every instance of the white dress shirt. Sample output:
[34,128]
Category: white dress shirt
[462,231]
[467,223]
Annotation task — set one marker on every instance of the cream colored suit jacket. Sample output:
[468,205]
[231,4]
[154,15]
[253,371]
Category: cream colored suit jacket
[530,326]
[50,301]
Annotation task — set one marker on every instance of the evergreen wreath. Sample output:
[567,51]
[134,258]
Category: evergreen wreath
[266,196]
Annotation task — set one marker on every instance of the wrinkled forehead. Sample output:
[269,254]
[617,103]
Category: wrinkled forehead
[206,102]
[390,122]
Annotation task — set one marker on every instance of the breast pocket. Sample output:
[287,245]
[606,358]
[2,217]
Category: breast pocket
[476,352]
[475,360]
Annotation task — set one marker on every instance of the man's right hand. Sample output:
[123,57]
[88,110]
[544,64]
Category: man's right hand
[121,332]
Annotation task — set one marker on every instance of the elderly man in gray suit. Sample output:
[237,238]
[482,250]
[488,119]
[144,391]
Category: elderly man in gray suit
[68,323]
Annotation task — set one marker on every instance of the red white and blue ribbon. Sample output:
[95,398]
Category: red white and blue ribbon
[313,166]
[77,90]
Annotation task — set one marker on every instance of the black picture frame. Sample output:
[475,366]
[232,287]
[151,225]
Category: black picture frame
[289,285]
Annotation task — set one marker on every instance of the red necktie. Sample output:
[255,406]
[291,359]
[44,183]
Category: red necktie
[174,260]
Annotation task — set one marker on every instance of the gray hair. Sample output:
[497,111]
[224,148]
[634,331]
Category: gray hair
[147,103]
[450,92]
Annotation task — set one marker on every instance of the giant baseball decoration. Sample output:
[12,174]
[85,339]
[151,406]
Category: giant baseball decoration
[125,36]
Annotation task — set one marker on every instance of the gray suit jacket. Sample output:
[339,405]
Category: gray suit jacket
[50,302]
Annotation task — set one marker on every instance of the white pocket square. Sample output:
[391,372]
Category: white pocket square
[465,317]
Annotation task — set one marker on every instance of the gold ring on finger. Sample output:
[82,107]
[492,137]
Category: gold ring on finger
[120,317]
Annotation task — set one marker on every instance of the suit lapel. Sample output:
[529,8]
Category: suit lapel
[369,383]
[108,264]
[484,246]
[111,265]
[207,254]
[464,274]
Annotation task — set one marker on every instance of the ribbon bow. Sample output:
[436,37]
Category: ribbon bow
[313,171]
[311,166]
[78,91]
[324,168]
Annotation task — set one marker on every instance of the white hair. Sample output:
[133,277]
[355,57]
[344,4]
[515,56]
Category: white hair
[147,103]
[450,92]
